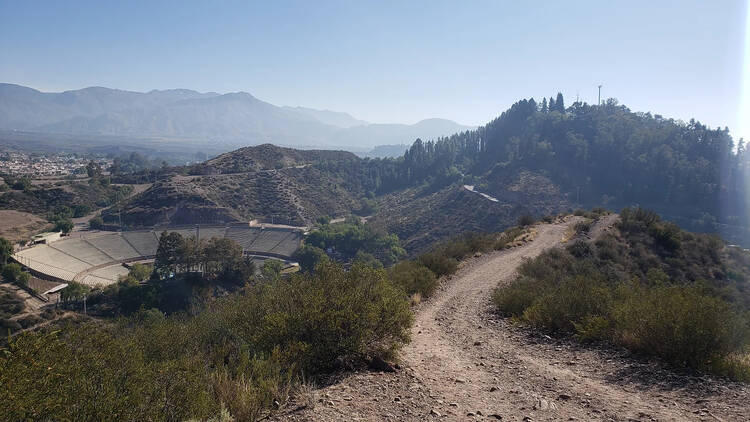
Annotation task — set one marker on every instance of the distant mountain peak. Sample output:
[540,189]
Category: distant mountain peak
[231,119]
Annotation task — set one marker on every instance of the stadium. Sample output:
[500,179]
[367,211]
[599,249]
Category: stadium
[100,258]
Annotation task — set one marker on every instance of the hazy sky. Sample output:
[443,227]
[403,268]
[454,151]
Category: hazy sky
[396,61]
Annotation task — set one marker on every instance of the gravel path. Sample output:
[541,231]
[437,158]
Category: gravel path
[465,363]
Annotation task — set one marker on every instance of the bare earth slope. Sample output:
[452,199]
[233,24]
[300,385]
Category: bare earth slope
[466,363]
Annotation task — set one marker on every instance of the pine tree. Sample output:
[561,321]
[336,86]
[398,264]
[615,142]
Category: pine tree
[560,103]
[544,105]
[551,104]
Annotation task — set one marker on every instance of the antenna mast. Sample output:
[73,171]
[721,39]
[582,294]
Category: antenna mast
[600,95]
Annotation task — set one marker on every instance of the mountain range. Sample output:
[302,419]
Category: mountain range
[233,119]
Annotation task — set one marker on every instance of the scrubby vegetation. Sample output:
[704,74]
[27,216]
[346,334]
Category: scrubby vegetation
[420,276]
[14,273]
[345,240]
[71,199]
[10,305]
[240,353]
[10,271]
[652,288]
[215,259]
[182,348]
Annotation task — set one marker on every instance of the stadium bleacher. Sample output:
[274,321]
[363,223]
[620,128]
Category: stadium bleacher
[82,250]
[145,242]
[112,272]
[288,245]
[98,259]
[92,280]
[209,232]
[115,246]
[243,235]
[51,256]
[267,240]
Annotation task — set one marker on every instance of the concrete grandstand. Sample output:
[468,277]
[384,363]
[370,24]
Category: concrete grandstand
[99,258]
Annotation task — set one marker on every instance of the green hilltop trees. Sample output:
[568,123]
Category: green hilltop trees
[217,258]
[598,154]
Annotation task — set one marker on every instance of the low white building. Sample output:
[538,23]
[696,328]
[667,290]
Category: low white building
[46,238]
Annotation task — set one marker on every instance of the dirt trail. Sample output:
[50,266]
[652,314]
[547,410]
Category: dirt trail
[465,363]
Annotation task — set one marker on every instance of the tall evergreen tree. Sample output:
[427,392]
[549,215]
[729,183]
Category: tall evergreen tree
[560,103]
[551,104]
[544,105]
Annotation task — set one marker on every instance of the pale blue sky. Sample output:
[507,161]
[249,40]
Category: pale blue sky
[398,61]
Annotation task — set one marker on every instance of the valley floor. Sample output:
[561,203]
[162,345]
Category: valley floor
[465,362]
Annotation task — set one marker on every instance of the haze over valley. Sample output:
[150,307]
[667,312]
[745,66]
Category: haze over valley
[203,119]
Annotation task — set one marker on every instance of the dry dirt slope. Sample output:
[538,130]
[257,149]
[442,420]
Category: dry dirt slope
[464,363]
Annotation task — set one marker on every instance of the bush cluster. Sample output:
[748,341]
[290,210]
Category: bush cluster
[640,291]
[345,240]
[242,352]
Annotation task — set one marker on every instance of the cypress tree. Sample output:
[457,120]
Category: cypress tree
[560,103]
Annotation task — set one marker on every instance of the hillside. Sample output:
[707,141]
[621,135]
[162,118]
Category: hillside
[602,155]
[531,159]
[269,157]
[266,182]
[421,218]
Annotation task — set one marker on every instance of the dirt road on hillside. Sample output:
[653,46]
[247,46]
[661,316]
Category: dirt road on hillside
[466,363]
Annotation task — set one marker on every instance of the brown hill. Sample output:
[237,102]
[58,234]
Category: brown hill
[269,157]
[297,187]
[292,195]
[421,218]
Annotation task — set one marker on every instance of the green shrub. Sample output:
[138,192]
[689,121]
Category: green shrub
[582,227]
[94,376]
[309,257]
[678,323]
[10,304]
[525,220]
[439,263]
[9,326]
[29,321]
[414,277]
[581,249]
[14,274]
[96,223]
[141,272]
[686,304]
[237,356]
[514,299]
[571,302]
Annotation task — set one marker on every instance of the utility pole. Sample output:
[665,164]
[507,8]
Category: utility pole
[600,96]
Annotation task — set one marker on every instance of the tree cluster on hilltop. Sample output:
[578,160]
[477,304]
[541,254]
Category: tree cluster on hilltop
[598,154]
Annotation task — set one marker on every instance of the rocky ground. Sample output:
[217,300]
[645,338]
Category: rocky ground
[466,363]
